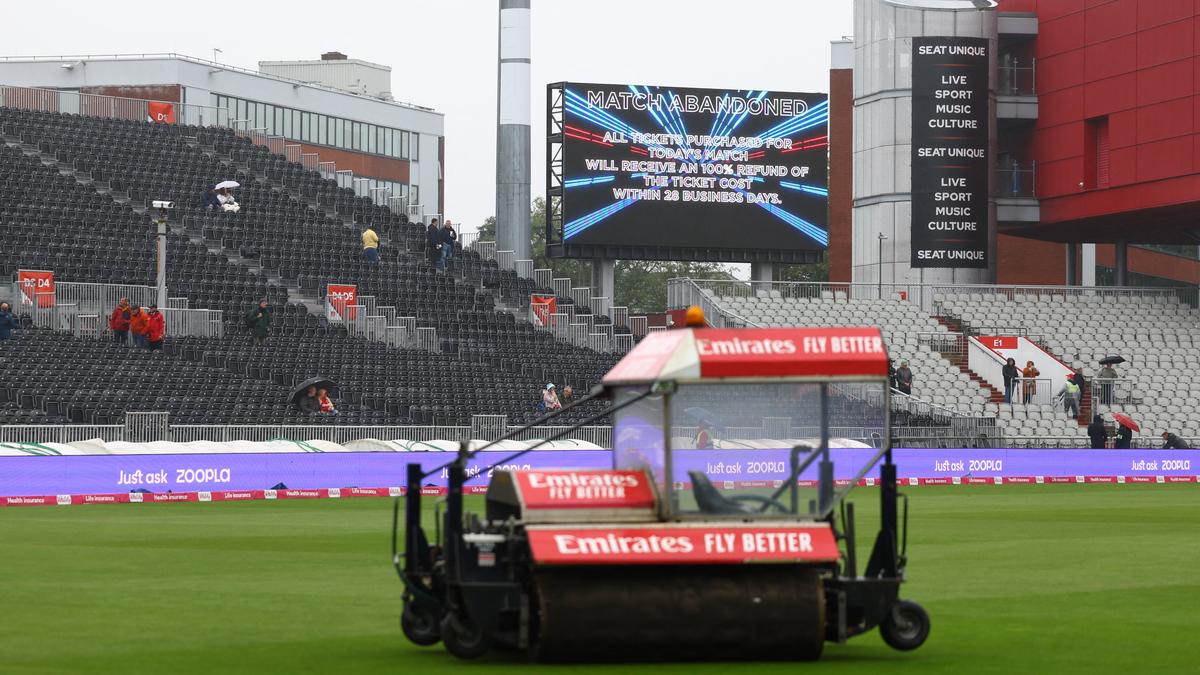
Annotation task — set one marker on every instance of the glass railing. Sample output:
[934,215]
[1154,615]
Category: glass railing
[1015,78]
[1017,180]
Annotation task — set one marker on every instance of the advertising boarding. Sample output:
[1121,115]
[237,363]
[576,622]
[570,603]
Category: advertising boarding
[950,168]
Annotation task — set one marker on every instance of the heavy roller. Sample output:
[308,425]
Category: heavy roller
[660,557]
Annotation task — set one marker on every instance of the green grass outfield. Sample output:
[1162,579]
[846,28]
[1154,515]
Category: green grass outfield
[1017,578]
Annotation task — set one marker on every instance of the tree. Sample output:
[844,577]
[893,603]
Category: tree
[815,272]
[640,285]
[487,231]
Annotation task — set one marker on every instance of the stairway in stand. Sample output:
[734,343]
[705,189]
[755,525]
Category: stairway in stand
[958,357]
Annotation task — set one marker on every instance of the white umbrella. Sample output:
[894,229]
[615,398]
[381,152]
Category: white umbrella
[228,184]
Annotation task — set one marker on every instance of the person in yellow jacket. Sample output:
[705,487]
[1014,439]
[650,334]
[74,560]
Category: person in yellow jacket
[1071,393]
[370,243]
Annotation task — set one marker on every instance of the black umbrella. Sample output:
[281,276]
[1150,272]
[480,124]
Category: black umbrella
[703,416]
[318,382]
[1112,360]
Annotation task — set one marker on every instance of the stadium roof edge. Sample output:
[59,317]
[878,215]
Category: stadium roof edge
[215,64]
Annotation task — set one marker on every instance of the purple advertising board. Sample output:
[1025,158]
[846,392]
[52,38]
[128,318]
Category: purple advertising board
[107,474]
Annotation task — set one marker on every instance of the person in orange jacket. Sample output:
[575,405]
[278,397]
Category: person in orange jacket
[137,326]
[156,329]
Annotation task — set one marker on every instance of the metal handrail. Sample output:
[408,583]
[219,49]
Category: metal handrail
[109,107]
[686,292]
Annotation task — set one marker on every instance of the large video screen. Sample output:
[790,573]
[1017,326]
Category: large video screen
[677,173]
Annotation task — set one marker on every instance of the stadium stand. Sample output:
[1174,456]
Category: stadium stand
[1159,334]
[74,192]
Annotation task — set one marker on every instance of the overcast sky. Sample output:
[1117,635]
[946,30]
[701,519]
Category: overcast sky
[443,52]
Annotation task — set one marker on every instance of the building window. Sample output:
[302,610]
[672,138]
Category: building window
[1096,153]
[298,125]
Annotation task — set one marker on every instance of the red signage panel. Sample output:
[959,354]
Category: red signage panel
[995,342]
[668,545]
[791,352]
[543,307]
[36,286]
[161,112]
[584,489]
[338,301]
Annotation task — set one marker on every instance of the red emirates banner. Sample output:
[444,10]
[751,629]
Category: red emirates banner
[36,285]
[584,489]
[161,112]
[338,298]
[681,543]
[782,352]
[543,308]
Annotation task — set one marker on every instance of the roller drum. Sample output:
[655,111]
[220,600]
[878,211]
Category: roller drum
[745,612]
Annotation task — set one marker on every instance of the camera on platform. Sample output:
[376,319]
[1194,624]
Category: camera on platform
[160,204]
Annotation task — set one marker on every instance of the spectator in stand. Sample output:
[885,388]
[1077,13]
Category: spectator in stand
[1173,442]
[567,397]
[1105,377]
[326,403]
[703,438]
[904,378]
[550,399]
[1077,377]
[1097,432]
[370,244]
[1124,437]
[1010,373]
[1071,394]
[892,373]
[433,243]
[7,321]
[138,325]
[449,236]
[118,321]
[259,322]
[156,329]
[1029,385]
[210,201]
[309,403]
[228,203]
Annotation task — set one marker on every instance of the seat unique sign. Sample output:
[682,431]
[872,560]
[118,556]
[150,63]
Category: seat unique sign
[950,118]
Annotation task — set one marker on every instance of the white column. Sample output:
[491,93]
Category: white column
[1087,259]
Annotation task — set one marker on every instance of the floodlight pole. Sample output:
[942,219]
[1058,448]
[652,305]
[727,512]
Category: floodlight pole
[882,238]
[160,277]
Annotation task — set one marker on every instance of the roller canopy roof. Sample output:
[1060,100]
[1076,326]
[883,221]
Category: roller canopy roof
[710,353]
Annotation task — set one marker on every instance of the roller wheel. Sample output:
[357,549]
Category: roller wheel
[420,625]
[906,626]
[463,638]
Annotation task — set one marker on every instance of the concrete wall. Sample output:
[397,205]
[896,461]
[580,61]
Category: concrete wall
[882,182]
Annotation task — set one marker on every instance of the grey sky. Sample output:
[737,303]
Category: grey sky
[443,52]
